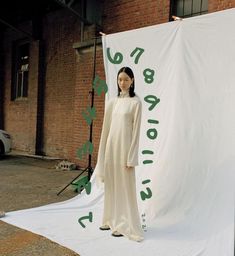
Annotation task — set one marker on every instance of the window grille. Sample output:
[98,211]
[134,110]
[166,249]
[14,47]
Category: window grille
[188,8]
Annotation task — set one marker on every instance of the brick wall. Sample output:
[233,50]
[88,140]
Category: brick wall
[61,30]
[219,5]
[69,75]
[83,100]
[125,15]
[19,115]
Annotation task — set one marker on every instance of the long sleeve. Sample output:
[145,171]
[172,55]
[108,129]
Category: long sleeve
[99,169]
[132,159]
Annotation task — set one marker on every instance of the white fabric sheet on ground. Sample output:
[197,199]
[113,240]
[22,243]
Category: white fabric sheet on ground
[186,194]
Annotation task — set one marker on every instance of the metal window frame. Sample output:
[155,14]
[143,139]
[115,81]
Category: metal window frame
[21,84]
[19,87]
[173,4]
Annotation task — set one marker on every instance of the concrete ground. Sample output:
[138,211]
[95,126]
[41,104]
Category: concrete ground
[27,182]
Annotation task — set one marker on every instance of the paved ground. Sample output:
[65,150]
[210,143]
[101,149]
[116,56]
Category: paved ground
[27,182]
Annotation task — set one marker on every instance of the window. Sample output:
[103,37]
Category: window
[20,70]
[93,11]
[188,8]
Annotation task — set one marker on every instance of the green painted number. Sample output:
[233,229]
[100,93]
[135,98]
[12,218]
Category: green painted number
[148,75]
[116,59]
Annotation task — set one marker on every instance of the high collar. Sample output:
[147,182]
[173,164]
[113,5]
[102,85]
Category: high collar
[124,94]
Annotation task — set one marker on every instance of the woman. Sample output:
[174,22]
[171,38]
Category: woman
[117,158]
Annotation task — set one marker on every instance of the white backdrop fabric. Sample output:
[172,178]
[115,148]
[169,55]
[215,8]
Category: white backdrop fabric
[186,194]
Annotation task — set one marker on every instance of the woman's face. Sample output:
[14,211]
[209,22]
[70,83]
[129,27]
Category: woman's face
[124,82]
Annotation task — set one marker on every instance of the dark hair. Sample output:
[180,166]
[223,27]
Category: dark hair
[130,73]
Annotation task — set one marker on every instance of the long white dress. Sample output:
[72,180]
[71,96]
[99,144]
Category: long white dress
[119,148]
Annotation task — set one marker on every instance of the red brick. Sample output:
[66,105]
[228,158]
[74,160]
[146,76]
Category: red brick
[69,76]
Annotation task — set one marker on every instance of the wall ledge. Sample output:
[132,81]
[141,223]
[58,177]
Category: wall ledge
[81,46]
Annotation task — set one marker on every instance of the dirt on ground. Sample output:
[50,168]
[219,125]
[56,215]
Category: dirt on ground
[27,182]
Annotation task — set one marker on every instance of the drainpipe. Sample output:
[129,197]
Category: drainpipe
[41,100]
[37,23]
[1,87]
